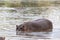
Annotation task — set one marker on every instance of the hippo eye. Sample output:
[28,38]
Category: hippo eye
[22,27]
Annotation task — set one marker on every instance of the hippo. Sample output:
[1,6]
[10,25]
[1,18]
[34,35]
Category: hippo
[39,25]
[2,38]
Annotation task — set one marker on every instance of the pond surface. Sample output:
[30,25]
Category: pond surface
[10,17]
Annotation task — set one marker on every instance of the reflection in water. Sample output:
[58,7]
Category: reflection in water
[36,34]
[9,20]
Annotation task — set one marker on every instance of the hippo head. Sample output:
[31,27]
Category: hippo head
[20,27]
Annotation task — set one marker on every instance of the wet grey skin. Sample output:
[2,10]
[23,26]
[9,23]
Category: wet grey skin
[39,25]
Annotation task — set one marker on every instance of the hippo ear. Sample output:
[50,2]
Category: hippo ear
[16,25]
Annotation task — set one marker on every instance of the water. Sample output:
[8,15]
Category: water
[10,17]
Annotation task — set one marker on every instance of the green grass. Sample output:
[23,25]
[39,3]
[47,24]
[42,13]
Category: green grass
[28,4]
[1,4]
[9,4]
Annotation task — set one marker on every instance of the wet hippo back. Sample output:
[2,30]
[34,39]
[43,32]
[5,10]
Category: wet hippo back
[38,25]
[42,25]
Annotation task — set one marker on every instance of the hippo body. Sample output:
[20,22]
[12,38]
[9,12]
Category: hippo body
[2,38]
[39,25]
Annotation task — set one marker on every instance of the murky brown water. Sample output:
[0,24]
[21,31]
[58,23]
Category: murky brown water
[10,17]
